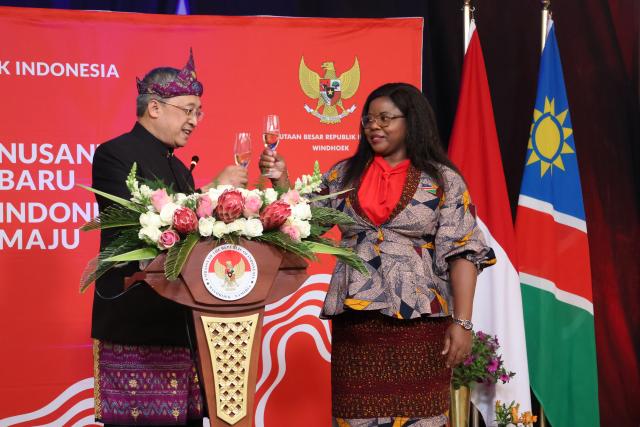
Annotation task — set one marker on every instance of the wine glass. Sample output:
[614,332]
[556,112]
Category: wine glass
[271,138]
[242,149]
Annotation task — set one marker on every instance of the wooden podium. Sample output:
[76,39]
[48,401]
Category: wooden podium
[228,332]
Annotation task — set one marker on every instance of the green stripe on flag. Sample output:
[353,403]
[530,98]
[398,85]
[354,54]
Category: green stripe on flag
[562,362]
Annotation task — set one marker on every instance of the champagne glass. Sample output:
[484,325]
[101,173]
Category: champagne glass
[271,138]
[242,149]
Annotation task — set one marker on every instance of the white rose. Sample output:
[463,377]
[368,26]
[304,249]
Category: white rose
[303,226]
[150,234]
[237,225]
[205,226]
[219,229]
[255,192]
[150,219]
[253,228]
[270,195]
[180,198]
[166,213]
[301,211]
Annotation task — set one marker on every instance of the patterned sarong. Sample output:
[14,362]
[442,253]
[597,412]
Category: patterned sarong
[388,370]
[145,385]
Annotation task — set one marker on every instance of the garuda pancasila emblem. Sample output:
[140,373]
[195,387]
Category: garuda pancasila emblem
[229,272]
[330,90]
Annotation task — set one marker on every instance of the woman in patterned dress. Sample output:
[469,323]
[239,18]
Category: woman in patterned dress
[399,330]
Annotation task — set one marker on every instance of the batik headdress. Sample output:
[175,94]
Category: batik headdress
[185,83]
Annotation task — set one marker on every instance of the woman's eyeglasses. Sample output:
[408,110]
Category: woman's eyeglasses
[383,120]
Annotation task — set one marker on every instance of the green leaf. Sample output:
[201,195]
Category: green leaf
[281,189]
[158,184]
[317,230]
[330,216]
[345,255]
[116,199]
[113,216]
[329,196]
[283,241]
[322,248]
[127,240]
[178,254]
[135,255]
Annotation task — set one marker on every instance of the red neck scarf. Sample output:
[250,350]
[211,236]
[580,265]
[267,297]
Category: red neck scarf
[381,188]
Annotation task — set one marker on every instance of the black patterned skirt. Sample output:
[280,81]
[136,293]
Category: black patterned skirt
[386,367]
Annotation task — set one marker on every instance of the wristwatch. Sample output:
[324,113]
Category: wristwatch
[466,324]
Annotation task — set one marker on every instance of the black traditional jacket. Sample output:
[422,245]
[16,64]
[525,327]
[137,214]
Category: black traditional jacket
[139,316]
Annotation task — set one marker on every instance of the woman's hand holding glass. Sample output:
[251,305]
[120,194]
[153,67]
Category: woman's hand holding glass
[275,163]
[271,137]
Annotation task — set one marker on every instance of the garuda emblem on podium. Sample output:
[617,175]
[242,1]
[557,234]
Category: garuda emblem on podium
[329,90]
[229,272]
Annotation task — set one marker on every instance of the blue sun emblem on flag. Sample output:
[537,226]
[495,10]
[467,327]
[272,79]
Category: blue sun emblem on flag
[548,138]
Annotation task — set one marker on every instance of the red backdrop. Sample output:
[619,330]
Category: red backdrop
[51,121]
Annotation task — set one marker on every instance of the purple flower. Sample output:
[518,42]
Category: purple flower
[493,365]
[505,378]
[469,360]
[481,335]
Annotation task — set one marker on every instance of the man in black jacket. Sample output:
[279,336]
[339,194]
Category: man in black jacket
[144,368]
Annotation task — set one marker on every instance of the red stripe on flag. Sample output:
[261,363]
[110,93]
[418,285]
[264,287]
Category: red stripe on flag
[554,251]
[474,148]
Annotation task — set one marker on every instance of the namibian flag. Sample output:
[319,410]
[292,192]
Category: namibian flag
[553,254]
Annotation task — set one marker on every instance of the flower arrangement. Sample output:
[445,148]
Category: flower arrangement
[506,415]
[483,365]
[155,219]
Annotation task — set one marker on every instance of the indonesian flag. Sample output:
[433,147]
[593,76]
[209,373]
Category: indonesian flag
[497,307]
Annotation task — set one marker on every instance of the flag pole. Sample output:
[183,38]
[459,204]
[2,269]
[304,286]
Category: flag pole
[466,18]
[467,14]
[545,20]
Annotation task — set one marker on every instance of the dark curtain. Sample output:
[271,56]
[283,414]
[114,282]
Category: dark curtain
[144,6]
[598,42]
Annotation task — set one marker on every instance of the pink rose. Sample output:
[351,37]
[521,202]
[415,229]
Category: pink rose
[230,206]
[291,231]
[168,238]
[292,197]
[274,215]
[205,206]
[159,198]
[185,220]
[252,205]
